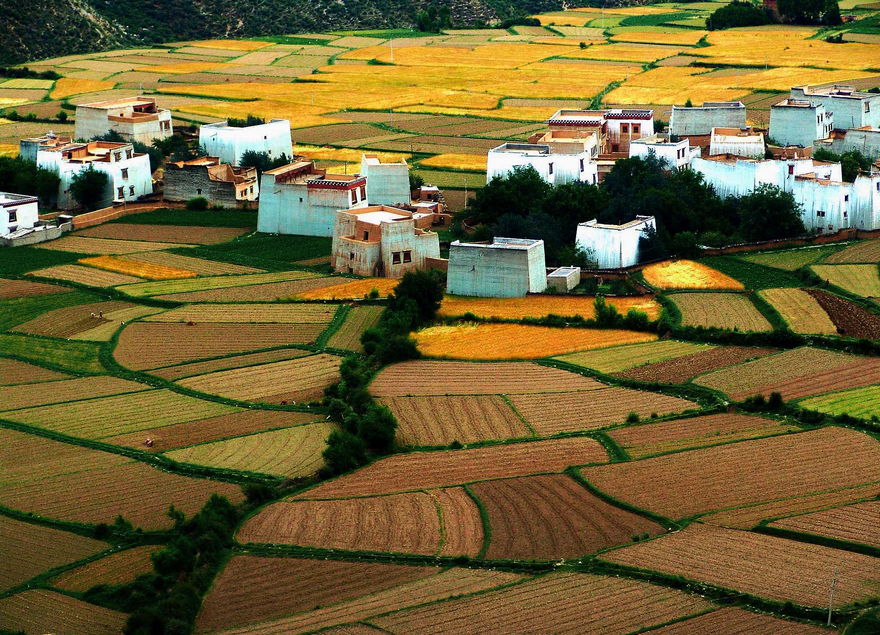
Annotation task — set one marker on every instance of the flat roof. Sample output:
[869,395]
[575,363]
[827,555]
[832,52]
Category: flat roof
[224,125]
[713,104]
[372,159]
[381,216]
[562,272]
[639,220]
[9,197]
[796,103]
[523,148]
[122,101]
[503,243]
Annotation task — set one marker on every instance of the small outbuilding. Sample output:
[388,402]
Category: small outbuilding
[564,279]
[387,183]
[17,211]
[219,183]
[614,246]
[505,268]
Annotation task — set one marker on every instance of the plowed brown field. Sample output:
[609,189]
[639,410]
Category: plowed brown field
[358,320]
[734,621]
[245,313]
[25,396]
[556,603]
[14,372]
[462,524]
[471,378]
[23,289]
[144,345]
[853,523]
[441,420]
[645,440]
[687,483]
[571,411]
[731,311]
[226,363]
[118,568]
[800,311]
[401,523]
[683,369]
[164,233]
[766,566]
[424,470]
[549,517]
[104,246]
[42,611]
[252,589]
[256,292]
[851,319]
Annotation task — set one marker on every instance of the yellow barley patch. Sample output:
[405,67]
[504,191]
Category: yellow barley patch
[475,162]
[326,153]
[300,116]
[682,38]
[541,305]
[182,68]
[231,45]
[139,269]
[65,87]
[642,10]
[687,274]
[8,150]
[353,290]
[573,20]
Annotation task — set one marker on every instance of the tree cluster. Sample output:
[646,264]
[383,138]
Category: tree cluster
[175,147]
[247,122]
[434,20]
[18,72]
[810,11]
[90,188]
[24,177]
[262,161]
[738,13]
[851,163]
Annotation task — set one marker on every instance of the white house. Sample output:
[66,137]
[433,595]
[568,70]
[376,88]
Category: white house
[17,211]
[299,198]
[614,128]
[134,118]
[614,246]
[851,108]
[864,140]
[676,154]
[229,143]
[129,172]
[555,168]
[387,183]
[699,120]
[506,268]
[740,143]
[798,122]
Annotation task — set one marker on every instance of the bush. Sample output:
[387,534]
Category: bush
[197,204]
[377,428]
[90,188]
[344,452]
[738,14]
[425,289]
[249,121]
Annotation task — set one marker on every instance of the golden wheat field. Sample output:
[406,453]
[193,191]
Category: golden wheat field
[146,270]
[687,274]
[541,305]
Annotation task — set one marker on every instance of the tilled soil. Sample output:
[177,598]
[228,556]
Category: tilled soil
[850,319]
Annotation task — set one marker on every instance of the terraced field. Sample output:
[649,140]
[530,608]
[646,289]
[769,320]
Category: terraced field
[853,523]
[41,611]
[25,396]
[249,313]
[163,233]
[10,289]
[682,369]
[104,246]
[858,402]
[793,259]
[225,363]
[858,252]
[730,311]
[14,372]
[542,305]
[358,320]
[620,358]
[137,269]
[734,621]
[800,310]
[687,274]
[166,287]
[118,568]
[861,280]
[85,275]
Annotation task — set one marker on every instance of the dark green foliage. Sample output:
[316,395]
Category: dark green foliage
[850,162]
[23,177]
[738,14]
[767,213]
[654,20]
[25,72]
[519,21]
[176,147]
[262,161]
[434,20]
[518,193]
[810,11]
[344,452]
[424,288]
[752,275]
[866,624]
[388,347]
[263,247]
[415,180]
[19,260]
[17,311]
[197,204]
[377,428]
[258,493]
[91,189]
[191,217]
[249,121]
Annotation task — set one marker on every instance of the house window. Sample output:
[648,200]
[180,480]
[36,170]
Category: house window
[199,191]
[300,199]
[820,214]
[790,170]
[615,147]
[867,107]
[124,174]
[582,165]
[120,192]
[550,166]
[351,255]
[131,190]
[13,216]
[130,154]
[845,214]
[624,127]
[395,258]
[366,236]
[407,256]
[846,198]
[251,189]
[636,128]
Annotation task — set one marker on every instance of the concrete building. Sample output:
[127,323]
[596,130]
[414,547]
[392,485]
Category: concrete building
[129,172]
[851,108]
[17,211]
[865,140]
[387,183]
[740,143]
[699,120]
[564,279]
[506,268]
[614,128]
[28,148]
[568,141]
[614,246]
[229,143]
[676,154]
[219,183]
[299,198]
[555,168]
[383,242]
[797,122]
[134,118]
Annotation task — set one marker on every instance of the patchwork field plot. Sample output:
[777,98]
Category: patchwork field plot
[861,280]
[137,269]
[41,611]
[164,233]
[800,372]
[657,438]
[786,571]
[145,345]
[551,517]
[118,568]
[515,341]
[734,621]
[32,549]
[249,313]
[290,452]
[850,319]
[853,523]
[800,310]
[104,246]
[861,251]
[730,311]
[792,259]
[462,523]
[541,305]
[619,358]
[73,320]
[423,378]
[256,292]
[226,363]
[301,379]
[198,265]
[167,287]
[350,290]
[13,372]
[436,420]
[24,289]
[424,470]
[572,411]
[555,603]
[687,274]
[859,402]
[84,275]
[767,470]
[684,368]
[325,583]
[25,396]
[358,320]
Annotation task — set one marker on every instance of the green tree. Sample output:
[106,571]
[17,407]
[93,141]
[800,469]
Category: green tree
[851,163]
[344,452]
[24,177]
[519,192]
[262,161]
[831,15]
[768,213]
[415,181]
[737,14]
[176,147]
[91,188]
[801,11]
[424,289]
[247,122]
[377,428]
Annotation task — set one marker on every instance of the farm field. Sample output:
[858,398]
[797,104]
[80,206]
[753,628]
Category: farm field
[800,310]
[358,320]
[41,611]
[734,621]
[256,292]
[788,571]
[858,252]
[849,318]
[225,363]
[349,290]
[620,358]
[861,280]
[249,313]
[853,523]
[84,275]
[793,259]
[10,289]
[25,396]
[137,269]
[684,368]
[163,233]
[118,568]
[81,319]
[13,372]
[463,530]
[199,266]
[730,311]
[859,402]
[166,287]
[768,469]
[687,274]
[541,305]
[104,246]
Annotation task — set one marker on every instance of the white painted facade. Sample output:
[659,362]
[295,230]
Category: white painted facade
[851,108]
[555,168]
[865,213]
[864,140]
[614,246]
[564,279]
[740,143]
[387,183]
[230,143]
[699,120]
[507,268]
[17,211]
[795,122]
[134,118]
[676,154]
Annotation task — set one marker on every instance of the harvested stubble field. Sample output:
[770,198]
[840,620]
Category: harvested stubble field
[853,523]
[13,372]
[349,290]
[104,246]
[440,420]
[425,377]
[425,470]
[113,320]
[858,252]
[619,358]
[851,319]
[542,305]
[786,570]
[218,282]
[358,320]
[549,517]
[682,369]
[515,341]
[72,320]
[683,434]
[800,310]
[687,274]
[731,311]
[250,313]
[226,363]
[301,379]
[858,279]
[291,452]
[41,611]
[551,414]
[765,470]
[801,372]
[164,233]
[10,289]
[256,292]
[792,259]
[29,550]
[734,621]
[84,275]
[144,345]
[405,523]
[118,568]
[863,403]
[428,590]
[232,601]
[462,523]
[25,396]
[555,603]
[136,269]
[199,265]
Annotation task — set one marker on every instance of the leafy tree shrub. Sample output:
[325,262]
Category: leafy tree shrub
[24,177]
[197,204]
[424,288]
[90,188]
[434,20]
[247,122]
[850,162]
[377,428]
[415,181]
[262,161]
[176,147]
[767,213]
[344,452]
[738,14]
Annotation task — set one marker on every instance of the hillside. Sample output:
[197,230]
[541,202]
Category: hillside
[58,27]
